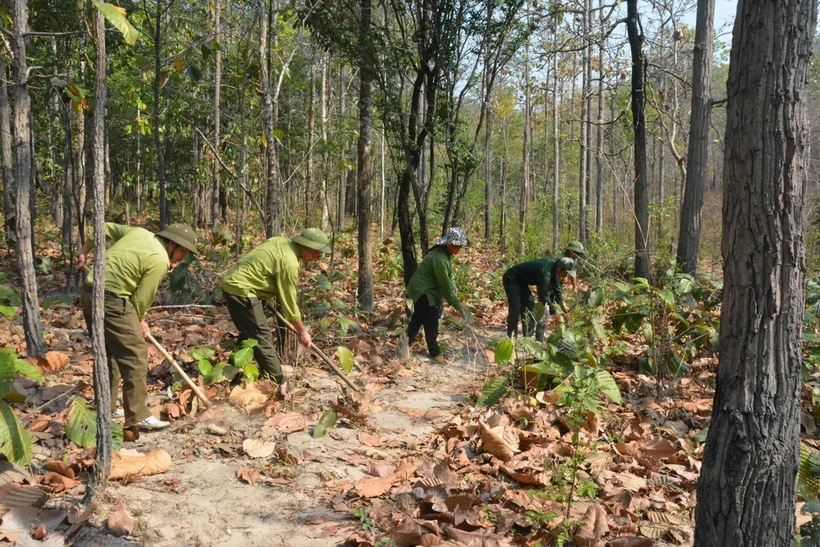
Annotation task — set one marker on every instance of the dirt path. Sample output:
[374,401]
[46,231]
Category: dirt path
[201,501]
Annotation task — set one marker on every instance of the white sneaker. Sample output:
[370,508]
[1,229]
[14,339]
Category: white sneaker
[119,413]
[152,423]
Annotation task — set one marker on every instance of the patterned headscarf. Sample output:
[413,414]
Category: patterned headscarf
[456,237]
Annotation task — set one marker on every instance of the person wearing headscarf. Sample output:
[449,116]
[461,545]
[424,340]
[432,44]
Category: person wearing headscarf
[431,286]
[270,270]
[135,263]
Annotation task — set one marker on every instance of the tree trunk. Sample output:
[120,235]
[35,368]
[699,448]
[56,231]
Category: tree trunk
[158,144]
[215,192]
[525,170]
[364,170]
[341,206]
[556,153]
[273,219]
[35,343]
[102,389]
[636,39]
[9,188]
[599,134]
[697,162]
[324,221]
[488,176]
[746,491]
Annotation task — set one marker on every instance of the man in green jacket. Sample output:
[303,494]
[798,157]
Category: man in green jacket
[431,285]
[547,275]
[136,262]
[271,269]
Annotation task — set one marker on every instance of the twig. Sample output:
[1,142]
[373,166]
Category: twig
[58,397]
[180,306]
[181,372]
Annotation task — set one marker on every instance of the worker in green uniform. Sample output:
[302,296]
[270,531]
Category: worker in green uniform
[136,261]
[575,250]
[431,285]
[271,269]
[547,275]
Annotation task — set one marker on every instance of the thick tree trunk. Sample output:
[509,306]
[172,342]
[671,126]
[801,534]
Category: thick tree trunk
[636,39]
[697,161]
[746,491]
[102,389]
[35,342]
[364,169]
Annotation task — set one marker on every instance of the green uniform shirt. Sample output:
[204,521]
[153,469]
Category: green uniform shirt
[135,263]
[541,273]
[272,269]
[435,279]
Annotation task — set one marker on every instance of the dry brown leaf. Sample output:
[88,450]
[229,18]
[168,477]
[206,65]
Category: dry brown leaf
[60,467]
[49,363]
[127,463]
[257,448]
[407,534]
[631,541]
[659,448]
[500,441]
[371,488]
[58,482]
[120,521]
[379,468]
[288,422]
[248,399]
[248,474]
[592,529]
[172,409]
[370,440]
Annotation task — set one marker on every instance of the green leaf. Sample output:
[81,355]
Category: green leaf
[667,296]
[686,284]
[323,282]
[812,506]
[81,427]
[8,311]
[606,385]
[807,484]
[51,300]
[345,358]
[15,441]
[8,296]
[327,421]
[202,353]
[504,351]
[116,16]
[596,298]
[641,283]
[701,436]
[242,357]
[251,372]
[493,391]
[28,370]
[249,343]
[347,324]
[567,344]
[205,367]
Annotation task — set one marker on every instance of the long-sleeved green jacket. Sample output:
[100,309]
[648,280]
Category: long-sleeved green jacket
[541,273]
[272,269]
[435,279]
[135,263]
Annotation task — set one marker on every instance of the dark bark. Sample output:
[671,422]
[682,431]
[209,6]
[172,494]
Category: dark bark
[273,220]
[746,491]
[9,189]
[365,169]
[158,144]
[102,390]
[697,161]
[636,39]
[215,190]
[35,343]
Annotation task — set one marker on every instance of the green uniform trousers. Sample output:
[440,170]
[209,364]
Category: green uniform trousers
[127,354]
[249,317]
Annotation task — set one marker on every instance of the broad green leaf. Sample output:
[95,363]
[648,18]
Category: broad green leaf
[8,296]
[641,283]
[116,16]
[327,421]
[251,372]
[812,506]
[347,324]
[218,372]
[81,427]
[202,353]
[686,284]
[51,300]
[324,282]
[596,298]
[249,343]
[667,296]
[493,391]
[807,484]
[242,357]
[205,367]
[567,344]
[345,358]
[606,385]
[28,370]
[8,311]
[504,351]
[623,287]
[15,441]
[701,436]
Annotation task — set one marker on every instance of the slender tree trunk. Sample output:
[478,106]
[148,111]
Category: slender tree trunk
[746,491]
[525,170]
[273,221]
[325,218]
[636,38]
[556,154]
[363,179]
[697,161]
[158,144]
[138,184]
[488,176]
[35,342]
[9,188]
[599,137]
[341,206]
[102,389]
[583,140]
[215,192]
[310,198]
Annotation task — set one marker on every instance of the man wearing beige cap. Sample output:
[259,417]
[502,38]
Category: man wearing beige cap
[271,269]
[136,262]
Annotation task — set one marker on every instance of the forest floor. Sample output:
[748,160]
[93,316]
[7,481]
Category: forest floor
[411,459]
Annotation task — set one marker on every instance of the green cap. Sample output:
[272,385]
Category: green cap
[181,234]
[568,265]
[576,247]
[313,238]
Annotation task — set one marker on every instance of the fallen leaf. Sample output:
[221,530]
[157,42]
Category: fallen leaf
[127,463]
[60,467]
[499,441]
[370,440]
[120,521]
[248,474]
[287,422]
[58,482]
[592,528]
[631,541]
[248,399]
[371,488]
[257,448]
[49,363]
